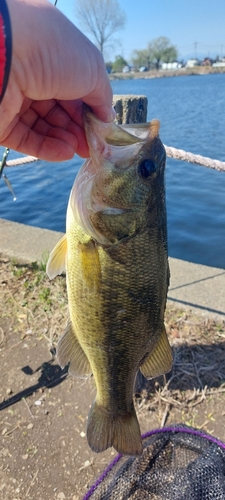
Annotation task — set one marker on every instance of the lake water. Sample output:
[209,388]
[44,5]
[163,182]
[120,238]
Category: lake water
[192,114]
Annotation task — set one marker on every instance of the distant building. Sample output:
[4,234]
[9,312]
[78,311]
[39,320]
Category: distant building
[220,63]
[171,65]
[206,62]
[191,63]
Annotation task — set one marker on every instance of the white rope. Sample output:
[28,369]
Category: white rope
[177,154]
[20,161]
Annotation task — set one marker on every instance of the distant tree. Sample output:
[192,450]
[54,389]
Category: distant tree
[159,49]
[162,50]
[170,54]
[119,63]
[102,19]
[142,58]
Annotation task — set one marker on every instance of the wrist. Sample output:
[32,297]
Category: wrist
[5,47]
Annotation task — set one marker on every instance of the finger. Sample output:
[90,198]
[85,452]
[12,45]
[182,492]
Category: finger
[51,111]
[58,145]
[56,123]
[64,128]
[99,101]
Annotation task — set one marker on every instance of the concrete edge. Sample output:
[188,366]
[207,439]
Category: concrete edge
[194,287]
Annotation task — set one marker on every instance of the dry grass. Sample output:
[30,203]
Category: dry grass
[28,298]
[198,369]
[26,294]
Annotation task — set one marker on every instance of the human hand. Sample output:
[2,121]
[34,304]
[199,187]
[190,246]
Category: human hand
[55,69]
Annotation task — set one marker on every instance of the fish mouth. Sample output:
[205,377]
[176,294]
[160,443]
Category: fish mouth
[114,211]
[118,135]
[98,208]
[85,207]
[101,204]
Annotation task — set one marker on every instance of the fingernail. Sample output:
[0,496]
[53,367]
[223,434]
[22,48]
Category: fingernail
[113,114]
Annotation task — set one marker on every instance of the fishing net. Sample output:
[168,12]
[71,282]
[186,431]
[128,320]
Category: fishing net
[178,463]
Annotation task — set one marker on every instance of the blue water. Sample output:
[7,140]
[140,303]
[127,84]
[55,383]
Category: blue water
[192,114]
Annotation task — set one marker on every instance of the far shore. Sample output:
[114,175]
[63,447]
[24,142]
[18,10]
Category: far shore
[197,70]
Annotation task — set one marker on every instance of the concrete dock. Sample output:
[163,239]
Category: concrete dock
[195,287]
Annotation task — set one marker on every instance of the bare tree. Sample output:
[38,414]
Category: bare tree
[102,18]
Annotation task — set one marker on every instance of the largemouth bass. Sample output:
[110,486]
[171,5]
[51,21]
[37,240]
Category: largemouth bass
[115,255]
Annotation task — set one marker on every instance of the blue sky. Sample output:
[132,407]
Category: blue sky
[184,22]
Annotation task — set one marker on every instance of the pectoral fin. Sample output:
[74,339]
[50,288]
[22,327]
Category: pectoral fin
[159,361]
[70,351]
[90,265]
[57,260]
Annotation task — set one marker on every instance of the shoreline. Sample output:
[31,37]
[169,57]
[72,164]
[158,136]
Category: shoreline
[135,75]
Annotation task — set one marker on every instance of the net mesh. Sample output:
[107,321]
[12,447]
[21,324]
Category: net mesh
[176,464]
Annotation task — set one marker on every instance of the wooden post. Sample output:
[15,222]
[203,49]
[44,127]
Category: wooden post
[130,108]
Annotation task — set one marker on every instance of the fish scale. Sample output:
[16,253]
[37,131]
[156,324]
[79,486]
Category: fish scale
[115,255]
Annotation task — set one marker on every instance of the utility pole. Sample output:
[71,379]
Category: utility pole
[195,47]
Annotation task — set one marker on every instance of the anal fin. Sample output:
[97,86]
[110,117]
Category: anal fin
[160,359]
[70,351]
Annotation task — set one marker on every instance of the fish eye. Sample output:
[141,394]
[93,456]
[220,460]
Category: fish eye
[146,168]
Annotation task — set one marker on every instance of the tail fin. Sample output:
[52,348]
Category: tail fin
[121,432]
